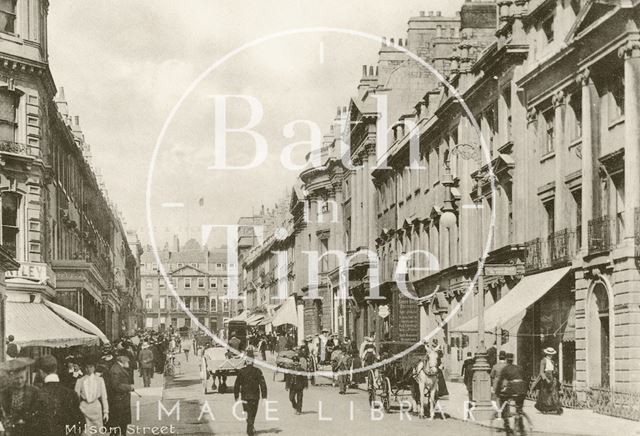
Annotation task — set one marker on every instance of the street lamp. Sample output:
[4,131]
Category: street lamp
[481,380]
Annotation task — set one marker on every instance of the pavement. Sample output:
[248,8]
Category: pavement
[179,406]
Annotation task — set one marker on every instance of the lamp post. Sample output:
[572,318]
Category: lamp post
[481,390]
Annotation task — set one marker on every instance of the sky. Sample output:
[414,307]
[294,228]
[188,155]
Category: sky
[125,64]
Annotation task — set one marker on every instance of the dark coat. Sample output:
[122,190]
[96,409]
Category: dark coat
[467,372]
[146,358]
[63,408]
[29,419]
[119,394]
[250,384]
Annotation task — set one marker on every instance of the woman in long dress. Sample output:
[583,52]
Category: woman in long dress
[93,397]
[548,395]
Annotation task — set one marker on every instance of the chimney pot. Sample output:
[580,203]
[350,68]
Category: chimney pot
[431,13]
[422,13]
[376,71]
[76,120]
[438,13]
[371,71]
[364,70]
[384,40]
[338,112]
[391,41]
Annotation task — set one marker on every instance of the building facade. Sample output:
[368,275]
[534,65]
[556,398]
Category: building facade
[198,276]
[57,220]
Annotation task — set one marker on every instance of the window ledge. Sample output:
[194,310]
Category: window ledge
[616,122]
[548,156]
[11,37]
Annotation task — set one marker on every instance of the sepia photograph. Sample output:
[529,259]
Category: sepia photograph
[294,217]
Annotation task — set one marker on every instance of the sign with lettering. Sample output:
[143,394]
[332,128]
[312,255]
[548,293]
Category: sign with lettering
[409,320]
[500,270]
[40,273]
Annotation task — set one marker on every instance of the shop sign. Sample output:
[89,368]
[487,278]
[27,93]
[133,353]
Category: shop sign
[497,269]
[40,273]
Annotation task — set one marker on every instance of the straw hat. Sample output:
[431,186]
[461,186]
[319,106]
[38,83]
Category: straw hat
[549,350]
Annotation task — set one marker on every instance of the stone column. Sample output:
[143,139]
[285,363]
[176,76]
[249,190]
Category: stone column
[371,211]
[630,52]
[353,227]
[560,200]
[587,159]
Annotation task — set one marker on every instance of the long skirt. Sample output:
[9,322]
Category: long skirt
[92,414]
[548,396]
[442,385]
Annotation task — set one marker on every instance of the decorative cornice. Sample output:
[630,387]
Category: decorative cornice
[532,115]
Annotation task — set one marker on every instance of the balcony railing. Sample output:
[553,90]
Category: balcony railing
[17,148]
[605,233]
[555,250]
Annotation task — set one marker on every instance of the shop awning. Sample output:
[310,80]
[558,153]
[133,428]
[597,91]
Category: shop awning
[569,328]
[241,317]
[77,320]
[35,325]
[509,311]
[255,319]
[286,314]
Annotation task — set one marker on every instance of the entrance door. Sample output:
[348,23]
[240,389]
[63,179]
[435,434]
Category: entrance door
[598,337]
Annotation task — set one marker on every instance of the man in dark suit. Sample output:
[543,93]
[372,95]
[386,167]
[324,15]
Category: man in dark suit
[250,386]
[119,394]
[63,407]
[511,385]
[467,374]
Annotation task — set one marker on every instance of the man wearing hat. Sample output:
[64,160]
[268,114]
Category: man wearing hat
[23,411]
[511,384]
[63,408]
[250,387]
[495,371]
[298,383]
[119,394]
[145,360]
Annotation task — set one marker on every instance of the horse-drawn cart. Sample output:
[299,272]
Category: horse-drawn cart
[396,382]
[218,363]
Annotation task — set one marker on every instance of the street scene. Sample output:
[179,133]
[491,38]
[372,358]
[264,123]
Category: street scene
[340,217]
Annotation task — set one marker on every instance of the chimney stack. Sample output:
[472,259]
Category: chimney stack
[422,13]
[364,70]
[438,13]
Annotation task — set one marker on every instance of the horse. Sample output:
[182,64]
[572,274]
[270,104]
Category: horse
[425,375]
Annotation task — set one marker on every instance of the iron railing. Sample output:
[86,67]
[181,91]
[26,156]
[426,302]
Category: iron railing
[555,250]
[605,233]
[604,400]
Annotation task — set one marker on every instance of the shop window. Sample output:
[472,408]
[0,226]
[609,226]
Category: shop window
[8,16]
[10,228]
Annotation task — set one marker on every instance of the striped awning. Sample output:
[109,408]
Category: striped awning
[77,320]
[35,325]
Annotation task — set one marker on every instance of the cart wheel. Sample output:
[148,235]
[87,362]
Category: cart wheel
[371,388]
[386,396]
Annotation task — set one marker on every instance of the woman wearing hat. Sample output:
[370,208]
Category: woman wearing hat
[548,397]
[23,407]
[92,392]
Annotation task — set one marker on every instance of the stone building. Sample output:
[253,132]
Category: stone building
[57,220]
[199,277]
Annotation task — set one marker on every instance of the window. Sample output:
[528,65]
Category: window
[202,303]
[8,105]
[187,282]
[201,282]
[195,265]
[218,265]
[187,302]
[548,119]
[10,208]
[180,265]
[324,262]
[225,283]
[149,302]
[576,114]
[161,282]
[214,304]
[155,267]
[547,28]
[616,92]
[162,302]
[225,305]
[213,283]
[148,284]
[7,16]
[550,210]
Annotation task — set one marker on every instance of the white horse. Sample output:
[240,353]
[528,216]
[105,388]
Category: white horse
[425,374]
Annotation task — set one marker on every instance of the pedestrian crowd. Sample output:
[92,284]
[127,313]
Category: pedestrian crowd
[84,390]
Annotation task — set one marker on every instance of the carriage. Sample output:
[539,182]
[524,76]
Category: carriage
[393,382]
[218,363]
